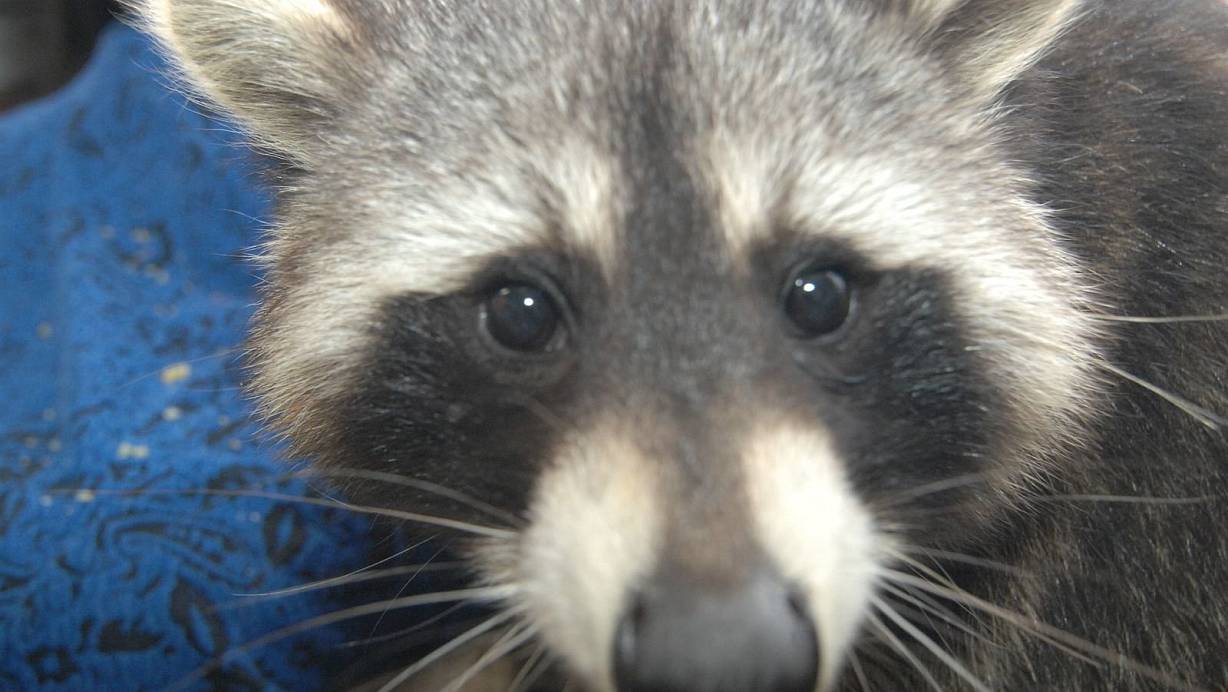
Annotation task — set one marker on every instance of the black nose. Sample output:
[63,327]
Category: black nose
[756,637]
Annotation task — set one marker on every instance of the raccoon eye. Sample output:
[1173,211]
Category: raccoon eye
[522,317]
[817,301]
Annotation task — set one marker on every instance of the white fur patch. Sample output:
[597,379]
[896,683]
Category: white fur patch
[810,522]
[586,184]
[596,528]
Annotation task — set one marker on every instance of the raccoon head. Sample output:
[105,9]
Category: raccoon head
[730,304]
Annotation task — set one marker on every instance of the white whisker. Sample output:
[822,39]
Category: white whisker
[1176,319]
[900,648]
[962,558]
[927,605]
[944,579]
[1127,499]
[488,593]
[529,672]
[1035,627]
[417,626]
[933,647]
[860,674]
[509,642]
[414,517]
[426,486]
[446,649]
[347,578]
[932,488]
[400,591]
[1202,415]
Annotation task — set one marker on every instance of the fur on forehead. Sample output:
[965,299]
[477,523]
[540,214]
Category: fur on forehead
[285,67]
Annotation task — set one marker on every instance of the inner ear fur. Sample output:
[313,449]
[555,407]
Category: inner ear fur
[989,43]
[280,67]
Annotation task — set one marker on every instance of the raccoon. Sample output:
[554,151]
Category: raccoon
[760,346]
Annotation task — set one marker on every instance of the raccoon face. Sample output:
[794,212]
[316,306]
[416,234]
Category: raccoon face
[730,305]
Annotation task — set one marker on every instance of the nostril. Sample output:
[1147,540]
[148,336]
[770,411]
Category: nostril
[757,637]
[797,604]
[627,637]
[637,613]
[805,641]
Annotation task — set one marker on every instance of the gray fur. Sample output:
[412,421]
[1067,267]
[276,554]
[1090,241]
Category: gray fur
[1013,174]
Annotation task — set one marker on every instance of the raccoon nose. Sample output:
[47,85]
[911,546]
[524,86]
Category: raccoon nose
[757,637]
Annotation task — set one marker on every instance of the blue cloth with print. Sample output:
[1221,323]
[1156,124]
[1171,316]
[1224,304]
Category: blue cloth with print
[125,217]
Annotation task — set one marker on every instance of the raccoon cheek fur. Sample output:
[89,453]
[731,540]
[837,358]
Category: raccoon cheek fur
[830,345]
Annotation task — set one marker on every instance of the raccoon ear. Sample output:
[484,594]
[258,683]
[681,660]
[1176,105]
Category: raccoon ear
[281,67]
[989,43]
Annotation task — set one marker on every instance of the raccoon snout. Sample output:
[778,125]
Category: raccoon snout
[754,637]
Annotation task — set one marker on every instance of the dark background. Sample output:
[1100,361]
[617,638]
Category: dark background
[44,42]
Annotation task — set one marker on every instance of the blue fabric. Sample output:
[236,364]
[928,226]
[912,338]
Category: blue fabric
[124,215]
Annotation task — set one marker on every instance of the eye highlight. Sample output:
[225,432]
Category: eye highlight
[522,317]
[817,301]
